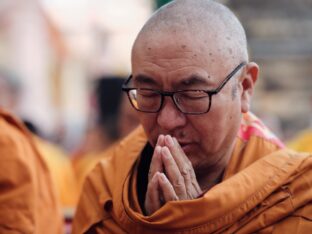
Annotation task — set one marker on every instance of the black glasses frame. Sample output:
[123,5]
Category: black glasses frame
[172,94]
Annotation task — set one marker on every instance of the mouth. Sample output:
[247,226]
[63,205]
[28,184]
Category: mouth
[187,147]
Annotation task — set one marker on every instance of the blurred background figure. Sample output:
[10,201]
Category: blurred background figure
[303,140]
[57,160]
[62,173]
[28,202]
[9,91]
[111,118]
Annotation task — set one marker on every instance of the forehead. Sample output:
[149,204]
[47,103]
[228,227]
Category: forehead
[176,58]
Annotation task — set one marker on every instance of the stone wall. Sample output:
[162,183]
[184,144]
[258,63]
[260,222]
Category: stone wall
[280,39]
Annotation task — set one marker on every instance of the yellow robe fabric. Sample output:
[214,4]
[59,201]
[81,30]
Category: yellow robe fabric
[265,189]
[28,202]
[303,142]
[62,174]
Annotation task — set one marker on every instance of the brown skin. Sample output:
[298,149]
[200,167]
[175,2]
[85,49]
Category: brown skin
[191,151]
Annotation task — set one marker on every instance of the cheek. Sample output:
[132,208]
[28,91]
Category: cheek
[149,123]
[218,127]
[145,119]
[209,130]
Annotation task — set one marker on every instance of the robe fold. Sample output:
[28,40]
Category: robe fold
[265,189]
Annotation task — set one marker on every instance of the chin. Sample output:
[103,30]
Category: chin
[195,158]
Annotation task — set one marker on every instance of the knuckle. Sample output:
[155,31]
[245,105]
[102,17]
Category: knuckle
[184,171]
[179,182]
[187,174]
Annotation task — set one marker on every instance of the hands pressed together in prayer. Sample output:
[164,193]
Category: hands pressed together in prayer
[171,176]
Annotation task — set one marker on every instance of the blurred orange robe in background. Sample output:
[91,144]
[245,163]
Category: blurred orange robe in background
[265,188]
[28,201]
[302,142]
[84,164]
[62,174]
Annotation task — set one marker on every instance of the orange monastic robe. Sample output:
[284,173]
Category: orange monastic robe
[265,189]
[28,202]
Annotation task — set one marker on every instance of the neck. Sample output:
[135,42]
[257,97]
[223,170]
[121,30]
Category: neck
[215,171]
[208,181]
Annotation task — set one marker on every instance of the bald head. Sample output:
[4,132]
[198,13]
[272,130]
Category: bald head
[204,22]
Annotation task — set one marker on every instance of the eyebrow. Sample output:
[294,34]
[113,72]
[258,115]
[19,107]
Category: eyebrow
[193,80]
[143,79]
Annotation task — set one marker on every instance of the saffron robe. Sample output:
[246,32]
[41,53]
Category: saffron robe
[265,189]
[28,202]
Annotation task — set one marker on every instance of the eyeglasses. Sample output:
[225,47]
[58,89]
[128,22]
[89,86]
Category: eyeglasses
[192,102]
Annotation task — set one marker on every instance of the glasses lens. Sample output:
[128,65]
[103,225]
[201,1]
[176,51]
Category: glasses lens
[145,100]
[193,102]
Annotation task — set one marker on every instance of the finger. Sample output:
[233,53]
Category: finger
[173,173]
[152,198]
[156,163]
[161,140]
[191,179]
[167,188]
[177,151]
[185,166]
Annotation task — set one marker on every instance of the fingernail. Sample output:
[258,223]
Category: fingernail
[162,177]
[158,149]
[169,140]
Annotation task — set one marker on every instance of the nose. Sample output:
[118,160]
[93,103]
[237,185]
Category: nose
[169,117]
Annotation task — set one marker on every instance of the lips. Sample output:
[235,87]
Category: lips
[187,147]
[184,143]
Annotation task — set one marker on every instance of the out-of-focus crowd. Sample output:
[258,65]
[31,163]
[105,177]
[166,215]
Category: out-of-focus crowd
[110,118]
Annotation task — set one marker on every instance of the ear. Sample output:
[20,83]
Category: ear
[247,83]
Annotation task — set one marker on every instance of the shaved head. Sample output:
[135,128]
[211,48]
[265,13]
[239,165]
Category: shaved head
[188,47]
[203,21]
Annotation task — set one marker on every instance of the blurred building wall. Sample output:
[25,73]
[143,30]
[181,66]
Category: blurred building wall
[280,40]
[26,53]
[55,47]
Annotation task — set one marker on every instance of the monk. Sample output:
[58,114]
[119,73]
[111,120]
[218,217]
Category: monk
[200,162]
[111,118]
[28,203]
